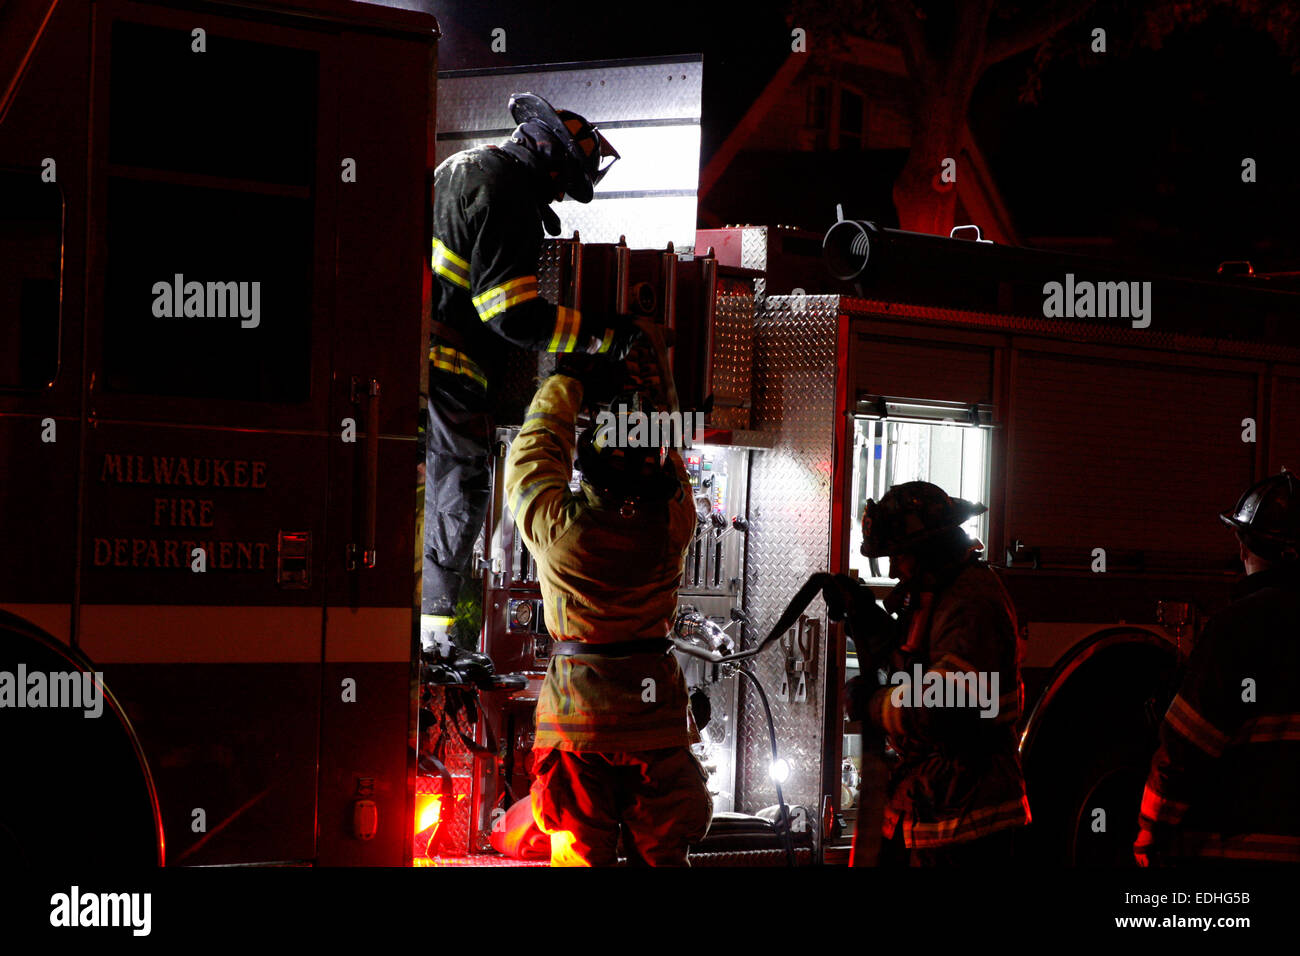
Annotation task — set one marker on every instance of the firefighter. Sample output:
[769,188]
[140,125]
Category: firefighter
[956,792]
[490,205]
[1225,780]
[613,723]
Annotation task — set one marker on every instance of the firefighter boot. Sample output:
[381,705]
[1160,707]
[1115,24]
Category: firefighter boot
[435,635]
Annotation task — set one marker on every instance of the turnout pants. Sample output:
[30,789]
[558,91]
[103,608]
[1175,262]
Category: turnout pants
[458,439]
[994,850]
[660,798]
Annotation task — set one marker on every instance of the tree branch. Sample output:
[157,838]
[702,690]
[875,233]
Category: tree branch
[1033,29]
[916,53]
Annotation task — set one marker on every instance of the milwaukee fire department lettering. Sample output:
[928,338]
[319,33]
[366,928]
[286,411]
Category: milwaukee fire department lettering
[172,470]
[175,512]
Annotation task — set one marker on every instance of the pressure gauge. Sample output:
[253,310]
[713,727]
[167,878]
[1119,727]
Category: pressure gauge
[521,615]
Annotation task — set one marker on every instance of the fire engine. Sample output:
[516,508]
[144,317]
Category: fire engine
[1104,447]
[220,521]
[217,516]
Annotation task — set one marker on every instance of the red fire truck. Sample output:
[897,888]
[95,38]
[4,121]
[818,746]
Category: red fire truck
[209,396]
[212,223]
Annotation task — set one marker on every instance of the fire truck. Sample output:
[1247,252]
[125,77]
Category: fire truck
[213,222]
[1104,436]
[210,388]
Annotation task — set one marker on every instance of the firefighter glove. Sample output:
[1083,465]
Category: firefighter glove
[617,338]
[601,379]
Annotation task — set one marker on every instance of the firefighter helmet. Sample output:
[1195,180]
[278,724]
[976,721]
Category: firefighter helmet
[624,477]
[1268,517]
[910,515]
[585,149]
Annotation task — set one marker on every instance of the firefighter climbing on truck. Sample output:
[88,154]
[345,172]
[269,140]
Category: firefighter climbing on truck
[490,205]
[613,723]
[956,793]
[1224,783]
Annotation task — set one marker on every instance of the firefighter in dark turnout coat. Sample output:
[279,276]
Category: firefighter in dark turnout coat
[1225,780]
[956,792]
[490,204]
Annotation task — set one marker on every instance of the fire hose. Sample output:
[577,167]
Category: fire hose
[846,599]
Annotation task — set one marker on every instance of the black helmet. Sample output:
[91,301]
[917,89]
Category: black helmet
[1268,517]
[911,515]
[624,477]
[585,149]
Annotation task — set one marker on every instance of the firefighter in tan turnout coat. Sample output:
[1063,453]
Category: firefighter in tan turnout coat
[613,724]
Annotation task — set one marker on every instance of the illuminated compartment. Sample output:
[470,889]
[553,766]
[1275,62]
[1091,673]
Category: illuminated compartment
[442,819]
[712,586]
[899,440]
[434,835]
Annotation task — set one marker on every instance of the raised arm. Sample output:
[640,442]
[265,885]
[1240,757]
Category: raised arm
[541,462]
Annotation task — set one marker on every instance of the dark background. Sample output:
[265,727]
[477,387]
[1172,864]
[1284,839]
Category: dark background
[1141,150]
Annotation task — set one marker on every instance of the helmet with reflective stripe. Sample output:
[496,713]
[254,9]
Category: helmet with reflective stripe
[585,149]
[1267,517]
[911,515]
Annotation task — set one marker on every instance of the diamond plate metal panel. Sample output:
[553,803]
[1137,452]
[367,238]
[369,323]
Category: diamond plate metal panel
[753,248]
[549,269]
[744,247]
[452,836]
[646,223]
[521,369]
[666,89]
[733,334]
[789,537]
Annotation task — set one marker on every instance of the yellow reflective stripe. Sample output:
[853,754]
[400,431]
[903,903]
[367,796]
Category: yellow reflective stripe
[528,492]
[496,300]
[451,255]
[1184,719]
[561,423]
[1160,809]
[607,341]
[450,360]
[1277,847]
[968,827]
[449,265]
[567,323]
[1271,729]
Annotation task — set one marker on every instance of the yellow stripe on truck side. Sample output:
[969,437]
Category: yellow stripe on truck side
[53,619]
[185,634]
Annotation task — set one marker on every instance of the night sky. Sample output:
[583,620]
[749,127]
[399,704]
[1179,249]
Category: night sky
[1141,151]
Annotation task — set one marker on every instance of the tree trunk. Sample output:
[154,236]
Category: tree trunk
[926,203]
[944,78]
